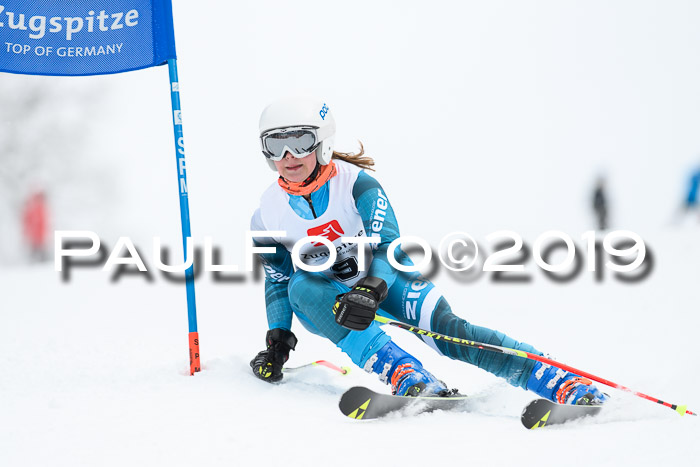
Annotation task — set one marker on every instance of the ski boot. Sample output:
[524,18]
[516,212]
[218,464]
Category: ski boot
[564,387]
[404,372]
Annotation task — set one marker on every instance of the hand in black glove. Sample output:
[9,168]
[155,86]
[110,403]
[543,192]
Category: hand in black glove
[356,309]
[267,364]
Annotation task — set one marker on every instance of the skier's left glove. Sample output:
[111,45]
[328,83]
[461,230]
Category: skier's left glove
[267,364]
[356,309]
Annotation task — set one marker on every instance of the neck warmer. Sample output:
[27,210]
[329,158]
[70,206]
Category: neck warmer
[320,175]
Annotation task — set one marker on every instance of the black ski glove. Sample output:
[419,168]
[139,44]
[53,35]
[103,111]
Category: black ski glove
[267,364]
[356,309]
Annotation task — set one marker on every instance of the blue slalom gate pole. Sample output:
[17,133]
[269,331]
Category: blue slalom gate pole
[184,214]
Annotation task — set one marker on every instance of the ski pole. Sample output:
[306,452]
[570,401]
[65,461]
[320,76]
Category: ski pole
[344,370]
[681,409]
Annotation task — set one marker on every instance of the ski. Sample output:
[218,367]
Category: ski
[361,403]
[542,412]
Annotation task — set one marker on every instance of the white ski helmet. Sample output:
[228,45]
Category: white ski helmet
[299,125]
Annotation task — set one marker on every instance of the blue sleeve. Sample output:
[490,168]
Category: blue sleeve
[379,220]
[278,269]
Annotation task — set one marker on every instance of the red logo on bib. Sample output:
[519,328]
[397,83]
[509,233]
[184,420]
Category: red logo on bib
[331,231]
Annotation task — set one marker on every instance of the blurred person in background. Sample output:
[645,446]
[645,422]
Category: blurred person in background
[321,192]
[691,199]
[689,208]
[600,204]
[35,225]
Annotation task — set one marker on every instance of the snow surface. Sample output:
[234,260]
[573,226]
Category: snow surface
[96,374]
[482,116]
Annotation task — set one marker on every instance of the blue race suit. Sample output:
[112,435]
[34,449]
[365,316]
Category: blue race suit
[411,298]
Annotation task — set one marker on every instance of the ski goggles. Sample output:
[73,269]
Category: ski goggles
[300,141]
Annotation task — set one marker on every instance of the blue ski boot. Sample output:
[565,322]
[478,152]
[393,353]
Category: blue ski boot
[563,387]
[404,372]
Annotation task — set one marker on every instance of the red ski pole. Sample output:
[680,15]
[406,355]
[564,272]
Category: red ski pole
[681,409]
[342,370]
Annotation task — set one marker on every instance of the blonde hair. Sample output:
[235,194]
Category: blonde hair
[359,159]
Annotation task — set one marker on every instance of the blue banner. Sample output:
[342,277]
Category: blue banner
[84,37]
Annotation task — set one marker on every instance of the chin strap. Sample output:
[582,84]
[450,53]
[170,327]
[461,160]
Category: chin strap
[320,175]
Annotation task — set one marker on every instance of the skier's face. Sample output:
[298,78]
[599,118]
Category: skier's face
[296,169]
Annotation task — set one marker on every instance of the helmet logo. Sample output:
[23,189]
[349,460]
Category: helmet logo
[323,112]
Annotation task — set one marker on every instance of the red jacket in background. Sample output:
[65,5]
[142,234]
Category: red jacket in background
[35,220]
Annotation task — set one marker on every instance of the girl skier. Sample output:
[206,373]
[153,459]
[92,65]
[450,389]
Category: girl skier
[325,193]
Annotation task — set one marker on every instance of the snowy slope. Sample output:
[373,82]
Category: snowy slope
[96,374]
[521,104]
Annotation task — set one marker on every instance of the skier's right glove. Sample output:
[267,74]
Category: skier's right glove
[267,364]
[356,309]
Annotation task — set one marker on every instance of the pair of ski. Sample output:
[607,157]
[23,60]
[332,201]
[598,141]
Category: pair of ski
[361,403]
